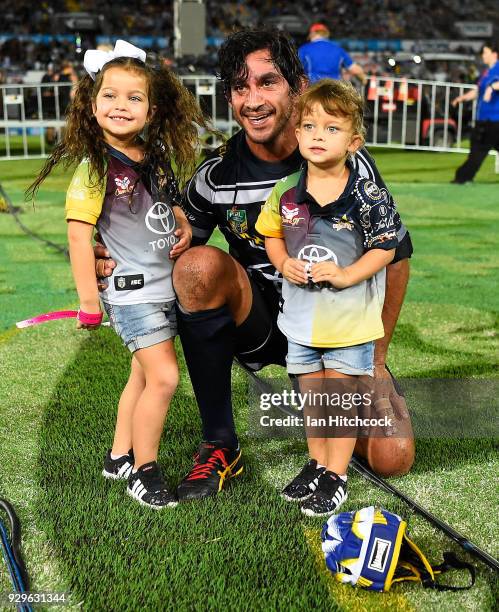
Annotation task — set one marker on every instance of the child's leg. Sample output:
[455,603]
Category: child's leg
[128,400]
[306,363]
[312,383]
[160,370]
[339,450]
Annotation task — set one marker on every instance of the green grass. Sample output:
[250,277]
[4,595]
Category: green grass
[246,548]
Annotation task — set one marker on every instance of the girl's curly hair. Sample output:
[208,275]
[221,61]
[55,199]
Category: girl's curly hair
[171,134]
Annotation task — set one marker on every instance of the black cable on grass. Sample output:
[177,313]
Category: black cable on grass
[14,211]
[11,549]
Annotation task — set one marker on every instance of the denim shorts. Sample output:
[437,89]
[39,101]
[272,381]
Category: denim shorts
[143,325]
[352,360]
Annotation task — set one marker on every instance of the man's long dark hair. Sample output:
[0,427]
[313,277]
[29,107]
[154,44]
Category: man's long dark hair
[232,56]
[492,44]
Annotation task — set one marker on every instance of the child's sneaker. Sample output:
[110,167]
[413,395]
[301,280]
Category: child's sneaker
[118,469]
[304,484]
[331,492]
[148,487]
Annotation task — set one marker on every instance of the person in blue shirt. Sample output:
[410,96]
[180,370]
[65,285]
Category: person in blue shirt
[322,58]
[485,135]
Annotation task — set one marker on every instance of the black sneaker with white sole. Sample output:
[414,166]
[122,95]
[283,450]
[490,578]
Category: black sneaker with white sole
[304,484]
[118,469]
[331,492]
[148,487]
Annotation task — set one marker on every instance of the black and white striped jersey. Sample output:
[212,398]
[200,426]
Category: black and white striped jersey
[229,189]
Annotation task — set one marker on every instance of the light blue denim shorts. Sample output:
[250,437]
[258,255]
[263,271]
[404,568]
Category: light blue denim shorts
[143,325]
[353,360]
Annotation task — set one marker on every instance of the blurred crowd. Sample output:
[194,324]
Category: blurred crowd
[354,19]
[357,19]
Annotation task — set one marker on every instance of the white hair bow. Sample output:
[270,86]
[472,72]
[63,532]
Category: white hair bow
[94,59]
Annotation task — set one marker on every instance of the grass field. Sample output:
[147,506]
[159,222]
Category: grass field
[246,549]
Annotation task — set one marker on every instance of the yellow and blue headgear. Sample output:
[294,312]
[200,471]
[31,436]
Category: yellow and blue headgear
[370,548]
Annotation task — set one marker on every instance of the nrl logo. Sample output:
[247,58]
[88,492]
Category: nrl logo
[121,282]
[238,220]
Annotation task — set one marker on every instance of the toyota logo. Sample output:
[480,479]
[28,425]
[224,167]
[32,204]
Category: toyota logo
[160,219]
[314,253]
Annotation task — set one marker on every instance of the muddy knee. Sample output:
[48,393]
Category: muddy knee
[198,278]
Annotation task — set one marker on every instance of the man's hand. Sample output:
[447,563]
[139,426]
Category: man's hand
[293,270]
[104,265]
[329,272]
[184,235]
[397,401]
[388,402]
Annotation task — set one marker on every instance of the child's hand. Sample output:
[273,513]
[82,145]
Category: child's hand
[89,317]
[293,270]
[328,271]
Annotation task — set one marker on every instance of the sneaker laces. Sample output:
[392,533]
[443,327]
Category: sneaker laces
[204,469]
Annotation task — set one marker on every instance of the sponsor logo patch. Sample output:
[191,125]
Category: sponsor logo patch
[379,555]
[129,282]
[314,253]
[160,219]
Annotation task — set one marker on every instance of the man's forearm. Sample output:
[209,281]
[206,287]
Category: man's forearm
[397,277]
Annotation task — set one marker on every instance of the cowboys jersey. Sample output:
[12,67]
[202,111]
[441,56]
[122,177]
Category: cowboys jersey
[229,190]
[132,211]
[362,218]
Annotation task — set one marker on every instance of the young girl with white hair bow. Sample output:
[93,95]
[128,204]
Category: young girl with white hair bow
[126,123]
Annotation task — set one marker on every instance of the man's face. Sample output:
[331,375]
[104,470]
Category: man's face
[262,103]
[489,57]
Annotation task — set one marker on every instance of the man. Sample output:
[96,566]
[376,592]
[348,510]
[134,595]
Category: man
[485,135]
[322,58]
[228,303]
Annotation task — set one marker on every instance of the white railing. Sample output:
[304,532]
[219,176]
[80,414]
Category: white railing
[400,113]
[415,114]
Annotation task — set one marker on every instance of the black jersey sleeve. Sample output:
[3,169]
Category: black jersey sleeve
[366,167]
[404,249]
[197,203]
[377,215]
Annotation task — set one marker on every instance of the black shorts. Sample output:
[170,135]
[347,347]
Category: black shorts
[259,342]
